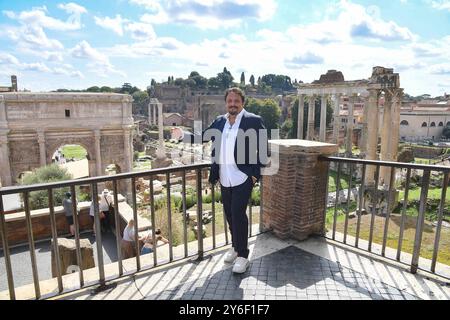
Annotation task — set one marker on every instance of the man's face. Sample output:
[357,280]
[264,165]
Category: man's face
[234,103]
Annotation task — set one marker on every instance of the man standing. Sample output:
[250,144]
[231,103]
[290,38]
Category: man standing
[68,210]
[237,165]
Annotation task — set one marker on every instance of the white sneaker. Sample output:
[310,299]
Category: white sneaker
[241,265]
[230,256]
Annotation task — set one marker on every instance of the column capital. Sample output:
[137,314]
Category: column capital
[97,134]
[41,136]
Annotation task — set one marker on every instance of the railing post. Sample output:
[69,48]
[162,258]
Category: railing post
[6,253]
[199,215]
[420,221]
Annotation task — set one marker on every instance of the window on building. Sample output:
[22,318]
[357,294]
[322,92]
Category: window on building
[448,123]
[433,124]
[67,113]
[404,123]
[424,124]
[441,124]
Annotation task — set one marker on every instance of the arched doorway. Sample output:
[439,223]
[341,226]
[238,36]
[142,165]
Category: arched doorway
[75,158]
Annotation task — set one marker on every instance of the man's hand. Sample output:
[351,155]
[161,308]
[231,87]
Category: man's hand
[254,180]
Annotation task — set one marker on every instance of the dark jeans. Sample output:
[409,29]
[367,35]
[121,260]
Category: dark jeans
[105,223]
[235,201]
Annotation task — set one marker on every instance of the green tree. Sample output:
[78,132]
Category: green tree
[225,79]
[50,173]
[268,109]
[179,82]
[140,102]
[242,79]
[106,89]
[128,88]
[252,80]
[446,132]
[93,89]
[200,82]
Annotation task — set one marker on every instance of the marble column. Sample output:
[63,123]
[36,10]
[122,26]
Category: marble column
[337,118]
[149,108]
[42,153]
[386,135]
[364,133]
[301,112]
[395,123]
[128,150]
[154,115]
[372,133]
[98,153]
[160,153]
[5,166]
[349,133]
[311,109]
[323,118]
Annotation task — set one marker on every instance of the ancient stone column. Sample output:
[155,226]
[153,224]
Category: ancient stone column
[337,118]
[395,122]
[98,153]
[5,167]
[323,117]
[149,108]
[311,109]
[42,153]
[372,132]
[385,153]
[349,133]
[363,142]
[301,110]
[154,115]
[128,152]
[160,153]
[302,174]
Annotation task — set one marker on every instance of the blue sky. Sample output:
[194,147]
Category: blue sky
[74,45]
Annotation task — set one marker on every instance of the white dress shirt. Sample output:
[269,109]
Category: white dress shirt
[230,175]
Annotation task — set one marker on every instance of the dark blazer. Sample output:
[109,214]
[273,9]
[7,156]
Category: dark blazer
[253,158]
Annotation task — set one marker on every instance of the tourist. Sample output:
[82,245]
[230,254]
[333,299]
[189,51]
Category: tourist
[68,209]
[148,246]
[92,213]
[128,245]
[106,207]
[237,169]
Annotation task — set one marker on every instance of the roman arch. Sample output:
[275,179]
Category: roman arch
[34,125]
[332,84]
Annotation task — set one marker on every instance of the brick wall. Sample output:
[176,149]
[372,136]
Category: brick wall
[294,198]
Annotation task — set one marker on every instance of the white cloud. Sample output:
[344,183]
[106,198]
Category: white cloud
[141,31]
[440,69]
[72,8]
[99,62]
[211,14]
[114,24]
[440,5]
[37,17]
[6,58]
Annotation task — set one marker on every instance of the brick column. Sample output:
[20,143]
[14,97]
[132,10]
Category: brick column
[297,210]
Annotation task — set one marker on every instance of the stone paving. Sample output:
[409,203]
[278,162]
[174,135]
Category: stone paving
[316,269]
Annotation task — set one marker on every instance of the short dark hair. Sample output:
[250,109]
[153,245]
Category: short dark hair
[237,91]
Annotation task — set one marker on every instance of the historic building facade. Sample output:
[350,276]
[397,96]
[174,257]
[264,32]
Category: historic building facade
[34,125]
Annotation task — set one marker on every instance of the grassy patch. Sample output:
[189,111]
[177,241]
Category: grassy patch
[393,233]
[74,151]
[343,178]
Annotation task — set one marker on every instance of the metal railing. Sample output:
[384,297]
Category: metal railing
[115,179]
[374,205]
